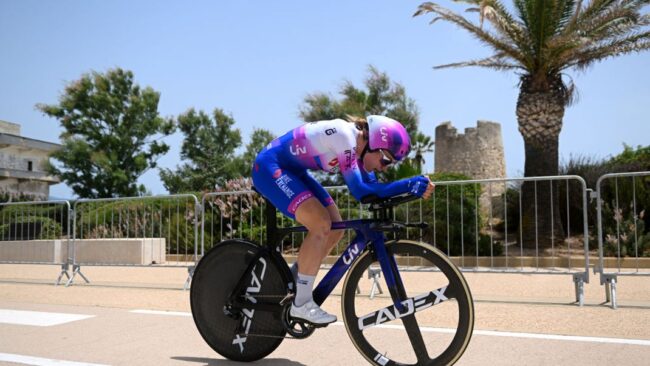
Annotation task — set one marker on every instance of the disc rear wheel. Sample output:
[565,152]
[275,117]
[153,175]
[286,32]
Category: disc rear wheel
[244,334]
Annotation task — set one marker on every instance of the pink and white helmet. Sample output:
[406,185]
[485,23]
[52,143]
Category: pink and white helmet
[388,134]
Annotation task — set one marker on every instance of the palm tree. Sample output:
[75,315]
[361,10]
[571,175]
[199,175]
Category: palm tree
[542,40]
[421,144]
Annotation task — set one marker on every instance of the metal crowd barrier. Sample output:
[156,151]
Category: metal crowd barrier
[488,225]
[36,232]
[462,217]
[152,231]
[622,234]
[522,244]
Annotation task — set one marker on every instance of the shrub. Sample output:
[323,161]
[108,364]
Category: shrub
[627,190]
[31,228]
[627,237]
[452,229]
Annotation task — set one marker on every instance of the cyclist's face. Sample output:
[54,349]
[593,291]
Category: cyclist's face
[378,161]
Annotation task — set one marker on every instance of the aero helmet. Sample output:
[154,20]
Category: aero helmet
[387,134]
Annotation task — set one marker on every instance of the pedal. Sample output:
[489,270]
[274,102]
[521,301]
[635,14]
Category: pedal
[297,328]
[319,325]
[289,296]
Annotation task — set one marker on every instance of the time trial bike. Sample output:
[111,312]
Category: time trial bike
[241,294]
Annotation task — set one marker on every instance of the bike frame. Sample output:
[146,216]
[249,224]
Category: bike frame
[367,234]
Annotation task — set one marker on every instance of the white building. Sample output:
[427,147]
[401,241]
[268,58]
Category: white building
[22,163]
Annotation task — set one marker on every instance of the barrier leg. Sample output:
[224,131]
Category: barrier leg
[579,283]
[374,274]
[76,270]
[613,291]
[610,289]
[190,273]
[64,271]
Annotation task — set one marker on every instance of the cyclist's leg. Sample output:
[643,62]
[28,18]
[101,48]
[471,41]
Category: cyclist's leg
[316,218]
[326,200]
[287,191]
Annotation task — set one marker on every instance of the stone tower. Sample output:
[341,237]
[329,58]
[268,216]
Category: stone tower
[478,153]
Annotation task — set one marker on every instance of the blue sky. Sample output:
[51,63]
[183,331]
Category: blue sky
[257,61]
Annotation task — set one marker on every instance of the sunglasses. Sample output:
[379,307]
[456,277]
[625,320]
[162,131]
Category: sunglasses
[385,160]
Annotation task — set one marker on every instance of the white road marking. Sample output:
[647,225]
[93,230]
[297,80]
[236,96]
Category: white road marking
[28,360]
[158,312]
[38,318]
[491,333]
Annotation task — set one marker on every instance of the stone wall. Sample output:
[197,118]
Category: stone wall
[8,127]
[38,190]
[134,251]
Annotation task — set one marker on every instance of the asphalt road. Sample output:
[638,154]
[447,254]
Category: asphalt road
[139,317]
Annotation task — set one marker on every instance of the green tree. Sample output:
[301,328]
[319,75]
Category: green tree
[111,134]
[542,40]
[380,97]
[259,139]
[209,149]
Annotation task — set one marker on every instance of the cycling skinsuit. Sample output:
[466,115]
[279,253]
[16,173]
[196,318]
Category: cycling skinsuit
[280,171]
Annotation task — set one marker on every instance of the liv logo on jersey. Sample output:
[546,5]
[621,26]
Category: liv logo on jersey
[257,276]
[411,305]
[299,150]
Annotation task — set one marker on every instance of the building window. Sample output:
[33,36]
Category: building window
[29,166]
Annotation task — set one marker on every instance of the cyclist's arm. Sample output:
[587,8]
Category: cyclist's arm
[361,188]
[368,177]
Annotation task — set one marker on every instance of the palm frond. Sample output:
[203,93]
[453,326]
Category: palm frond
[636,43]
[566,15]
[482,35]
[545,37]
[496,62]
[610,22]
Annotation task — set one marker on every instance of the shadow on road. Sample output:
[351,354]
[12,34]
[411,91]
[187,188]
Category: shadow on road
[217,362]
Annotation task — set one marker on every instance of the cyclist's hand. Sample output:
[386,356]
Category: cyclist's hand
[418,186]
[429,191]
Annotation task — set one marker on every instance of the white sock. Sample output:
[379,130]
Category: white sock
[294,271]
[304,287]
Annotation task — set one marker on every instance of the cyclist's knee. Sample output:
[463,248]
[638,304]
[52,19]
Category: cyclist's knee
[315,218]
[322,230]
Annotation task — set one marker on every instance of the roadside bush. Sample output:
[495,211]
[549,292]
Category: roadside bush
[452,229]
[630,196]
[628,237]
[31,228]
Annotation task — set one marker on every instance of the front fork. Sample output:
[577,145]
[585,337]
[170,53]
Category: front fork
[388,266]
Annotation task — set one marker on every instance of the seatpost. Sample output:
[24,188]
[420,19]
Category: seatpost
[271,224]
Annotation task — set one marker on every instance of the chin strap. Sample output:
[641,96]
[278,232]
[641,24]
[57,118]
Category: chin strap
[365,150]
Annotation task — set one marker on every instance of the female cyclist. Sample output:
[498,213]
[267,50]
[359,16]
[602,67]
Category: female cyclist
[356,150]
